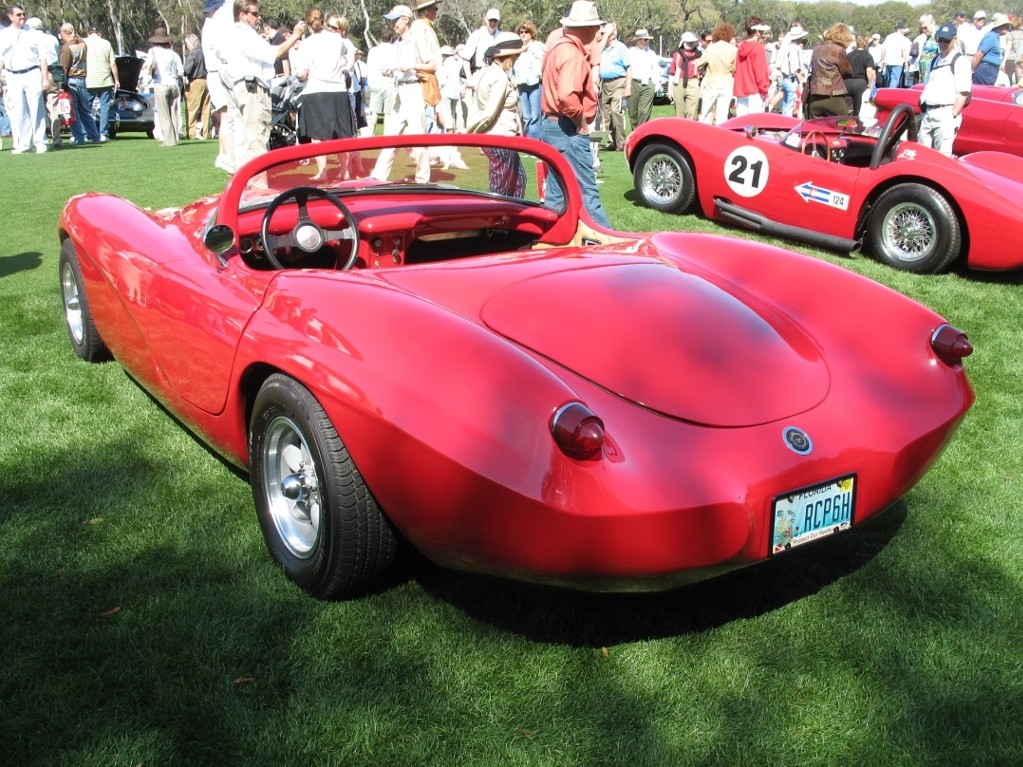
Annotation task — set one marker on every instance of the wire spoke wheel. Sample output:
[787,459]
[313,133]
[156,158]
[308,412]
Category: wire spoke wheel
[664,179]
[913,227]
[909,232]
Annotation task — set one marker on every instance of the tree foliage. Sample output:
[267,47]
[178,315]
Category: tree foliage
[129,23]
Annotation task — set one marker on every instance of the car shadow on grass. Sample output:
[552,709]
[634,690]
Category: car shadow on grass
[582,619]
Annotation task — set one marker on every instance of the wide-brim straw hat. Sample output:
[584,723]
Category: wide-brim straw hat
[582,14]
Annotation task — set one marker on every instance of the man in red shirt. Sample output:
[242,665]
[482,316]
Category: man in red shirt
[570,104]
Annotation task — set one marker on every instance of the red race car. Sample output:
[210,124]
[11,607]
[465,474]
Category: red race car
[461,364]
[834,183]
[992,121]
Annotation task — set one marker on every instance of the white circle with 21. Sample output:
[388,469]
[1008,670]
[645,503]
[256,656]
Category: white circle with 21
[746,171]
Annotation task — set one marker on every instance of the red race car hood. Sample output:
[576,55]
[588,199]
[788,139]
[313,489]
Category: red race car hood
[667,340]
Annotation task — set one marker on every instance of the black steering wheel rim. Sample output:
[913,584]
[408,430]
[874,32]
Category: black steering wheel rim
[306,226]
[891,132]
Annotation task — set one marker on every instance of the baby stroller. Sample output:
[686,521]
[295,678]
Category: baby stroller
[284,93]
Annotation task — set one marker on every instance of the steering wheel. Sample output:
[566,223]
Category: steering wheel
[307,235]
[892,131]
[810,143]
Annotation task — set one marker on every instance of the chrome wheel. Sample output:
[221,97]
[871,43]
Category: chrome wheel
[320,522]
[72,303]
[292,487]
[662,180]
[913,227]
[909,232]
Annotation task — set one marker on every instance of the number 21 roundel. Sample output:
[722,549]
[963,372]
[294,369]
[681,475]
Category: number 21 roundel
[746,171]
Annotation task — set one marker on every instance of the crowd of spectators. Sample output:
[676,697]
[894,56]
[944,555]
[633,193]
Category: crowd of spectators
[561,90]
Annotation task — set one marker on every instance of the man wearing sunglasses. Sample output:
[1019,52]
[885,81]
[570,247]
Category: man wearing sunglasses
[23,58]
[247,71]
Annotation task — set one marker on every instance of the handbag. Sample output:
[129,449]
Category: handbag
[431,88]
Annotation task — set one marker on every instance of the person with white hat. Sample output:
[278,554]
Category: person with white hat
[969,35]
[684,78]
[987,61]
[790,66]
[418,52]
[482,38]
[644,74]
[569,104]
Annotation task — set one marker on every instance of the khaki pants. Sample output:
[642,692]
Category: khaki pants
[197,106]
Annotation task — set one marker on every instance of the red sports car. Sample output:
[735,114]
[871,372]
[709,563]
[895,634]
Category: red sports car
[992,121]
[466,365]
[834,183]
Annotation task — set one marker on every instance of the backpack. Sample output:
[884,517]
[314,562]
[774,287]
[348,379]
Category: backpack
[951,65]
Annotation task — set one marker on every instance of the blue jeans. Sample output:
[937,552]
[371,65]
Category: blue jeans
[893,76]
[105,96]
[986,73]
[563,136]
[84,127]
[529,101]
[788,90]
[5,122]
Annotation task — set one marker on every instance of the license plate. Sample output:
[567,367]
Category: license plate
[812,513]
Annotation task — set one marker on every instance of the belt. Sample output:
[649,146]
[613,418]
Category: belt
[408,82]
[555,116]
[927,107]
[22,71]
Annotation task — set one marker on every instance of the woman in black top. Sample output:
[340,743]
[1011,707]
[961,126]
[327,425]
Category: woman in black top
[862,75]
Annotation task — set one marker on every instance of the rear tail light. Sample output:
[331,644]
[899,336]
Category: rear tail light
[951,345]
[577,431]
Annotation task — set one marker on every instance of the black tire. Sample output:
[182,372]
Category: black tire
[913,228]
[319,520]
[85,339]
[664,179]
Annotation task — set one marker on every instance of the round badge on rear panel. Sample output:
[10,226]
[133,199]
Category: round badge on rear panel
[797,440]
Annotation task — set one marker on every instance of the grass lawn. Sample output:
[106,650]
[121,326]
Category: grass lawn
[143,623]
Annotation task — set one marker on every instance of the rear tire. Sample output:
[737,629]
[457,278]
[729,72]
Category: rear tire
[318,518]
[913,228]
[664,179]
[85,339]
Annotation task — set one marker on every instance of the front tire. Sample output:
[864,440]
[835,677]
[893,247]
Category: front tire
[664,179]
[318,518]
[914,228]
[85,339]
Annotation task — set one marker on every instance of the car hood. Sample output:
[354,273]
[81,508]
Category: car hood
[667,340]
[128,70]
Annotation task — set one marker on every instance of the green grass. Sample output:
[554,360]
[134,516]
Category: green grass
[143,622]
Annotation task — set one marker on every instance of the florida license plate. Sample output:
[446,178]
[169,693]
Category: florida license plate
[812,513]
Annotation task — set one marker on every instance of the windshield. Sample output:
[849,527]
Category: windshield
[514,175]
